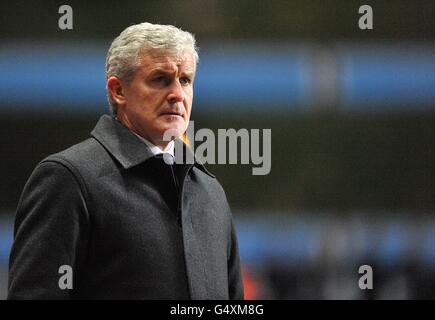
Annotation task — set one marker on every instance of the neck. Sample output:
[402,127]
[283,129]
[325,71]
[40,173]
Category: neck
[163,145]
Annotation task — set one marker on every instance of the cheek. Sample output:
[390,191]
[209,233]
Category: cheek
[188,99]
[151,103]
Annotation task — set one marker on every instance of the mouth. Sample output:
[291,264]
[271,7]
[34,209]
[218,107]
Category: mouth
[172,114]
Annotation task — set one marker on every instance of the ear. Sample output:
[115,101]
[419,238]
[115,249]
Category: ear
[116,89]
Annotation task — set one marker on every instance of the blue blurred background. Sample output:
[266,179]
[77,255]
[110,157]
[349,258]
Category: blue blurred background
[352,114]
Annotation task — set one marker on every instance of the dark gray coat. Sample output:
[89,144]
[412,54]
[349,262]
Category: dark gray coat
[112,211]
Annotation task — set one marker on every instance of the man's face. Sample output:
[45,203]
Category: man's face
[159,97]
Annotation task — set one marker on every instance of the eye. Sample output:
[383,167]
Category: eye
[161,79]
[185,80]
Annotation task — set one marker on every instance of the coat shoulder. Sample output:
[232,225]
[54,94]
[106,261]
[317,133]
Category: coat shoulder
[86,157]
[212,185]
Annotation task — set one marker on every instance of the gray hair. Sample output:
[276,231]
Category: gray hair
[123,56]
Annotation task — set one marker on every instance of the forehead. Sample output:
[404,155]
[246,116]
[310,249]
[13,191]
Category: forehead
[151,59]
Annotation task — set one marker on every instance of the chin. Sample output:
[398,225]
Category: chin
[170,132]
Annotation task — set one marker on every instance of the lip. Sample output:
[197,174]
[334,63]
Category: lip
[171,114]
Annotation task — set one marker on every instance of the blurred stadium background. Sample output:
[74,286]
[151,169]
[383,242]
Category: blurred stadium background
[352,115]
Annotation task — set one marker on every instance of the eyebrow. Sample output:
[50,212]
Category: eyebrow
[189,73]
[161,70]
[169,71]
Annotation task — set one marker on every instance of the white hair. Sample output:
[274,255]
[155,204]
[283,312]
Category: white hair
[122,56]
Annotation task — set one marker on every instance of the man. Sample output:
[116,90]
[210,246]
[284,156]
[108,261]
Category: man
[110,218]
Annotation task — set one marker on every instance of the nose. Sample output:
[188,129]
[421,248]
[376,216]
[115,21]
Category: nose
[176,94]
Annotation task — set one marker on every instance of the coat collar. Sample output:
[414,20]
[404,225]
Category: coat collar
[126,147]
